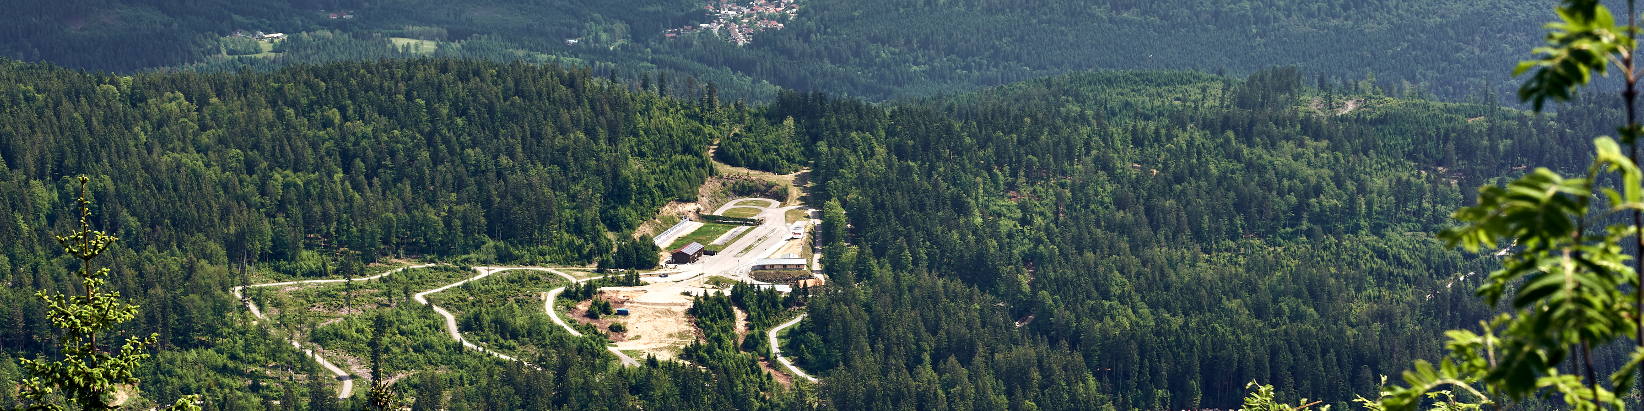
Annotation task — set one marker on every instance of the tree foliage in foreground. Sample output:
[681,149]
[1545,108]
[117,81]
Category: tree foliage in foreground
[1148,240]
[86,376]
[1573,284]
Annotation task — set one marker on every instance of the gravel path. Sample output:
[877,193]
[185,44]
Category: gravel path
[548,305]
[451,320]
[776,350]
[347,388]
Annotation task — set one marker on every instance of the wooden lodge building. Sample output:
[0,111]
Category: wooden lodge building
[688,254]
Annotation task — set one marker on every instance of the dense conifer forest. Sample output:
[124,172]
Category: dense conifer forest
[1147,240]
[1106,240]
[207,177]
[876,50]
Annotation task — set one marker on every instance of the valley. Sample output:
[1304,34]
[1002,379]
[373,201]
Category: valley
[547,205]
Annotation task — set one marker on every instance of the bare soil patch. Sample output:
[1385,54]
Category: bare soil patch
[580,313]
[781,376]
[667,216]
[657,323]
[1350,105]
[741,325]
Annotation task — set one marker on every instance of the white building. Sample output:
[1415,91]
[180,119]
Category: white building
[784,262]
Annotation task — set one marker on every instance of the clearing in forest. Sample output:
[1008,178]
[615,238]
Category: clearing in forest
[656,324]
[415,45]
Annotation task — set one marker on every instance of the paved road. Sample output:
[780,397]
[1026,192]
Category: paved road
[347,388]
[776,350]
[728,264]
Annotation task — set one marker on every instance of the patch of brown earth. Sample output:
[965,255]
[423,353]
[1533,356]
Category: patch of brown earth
[780,376]
[676,209]
[741,325]
[603,323]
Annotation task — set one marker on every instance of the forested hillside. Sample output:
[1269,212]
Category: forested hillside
[875,50]
[1145,240]
[1109,240]
[207,178]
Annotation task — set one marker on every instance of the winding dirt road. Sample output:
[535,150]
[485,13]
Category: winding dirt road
[776,349]
[347,388]
[548,306]
[451,320]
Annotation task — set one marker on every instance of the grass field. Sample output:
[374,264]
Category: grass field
[741,212]
[268,49]
[417,46]
[798,214]
[720,282]
[705,234]
[752,202]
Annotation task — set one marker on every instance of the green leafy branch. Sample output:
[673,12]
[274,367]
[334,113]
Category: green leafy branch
[86,376]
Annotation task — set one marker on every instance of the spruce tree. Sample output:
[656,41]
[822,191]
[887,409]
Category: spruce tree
[382,396]
[86,376]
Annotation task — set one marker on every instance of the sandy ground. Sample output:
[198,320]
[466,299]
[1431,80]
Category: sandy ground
[656,320]
[795,247]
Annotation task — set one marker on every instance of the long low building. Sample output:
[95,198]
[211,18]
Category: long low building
[785,262]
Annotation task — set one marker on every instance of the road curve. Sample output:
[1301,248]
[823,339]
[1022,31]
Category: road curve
[730,204]
[347,388]
[451,320]
[548,306]
[776,350]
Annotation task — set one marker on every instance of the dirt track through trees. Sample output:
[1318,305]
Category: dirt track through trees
[347,388]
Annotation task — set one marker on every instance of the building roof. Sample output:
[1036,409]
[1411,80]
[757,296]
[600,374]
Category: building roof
[781,288]
[691,248]
[781,261]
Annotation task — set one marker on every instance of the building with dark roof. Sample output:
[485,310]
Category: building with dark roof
[688,254]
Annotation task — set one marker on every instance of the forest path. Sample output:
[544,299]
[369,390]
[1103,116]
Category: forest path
[776,349]
[451,320]
[548,306]
[347,388]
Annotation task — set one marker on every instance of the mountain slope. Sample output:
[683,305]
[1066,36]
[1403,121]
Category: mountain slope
[873,49]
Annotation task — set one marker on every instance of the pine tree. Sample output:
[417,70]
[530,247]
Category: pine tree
[430,392]
[382,396]
[86,376]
